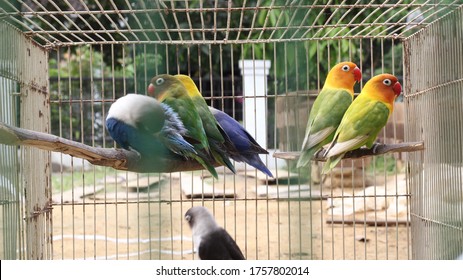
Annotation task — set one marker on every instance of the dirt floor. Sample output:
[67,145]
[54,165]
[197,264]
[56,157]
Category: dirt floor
[133,217]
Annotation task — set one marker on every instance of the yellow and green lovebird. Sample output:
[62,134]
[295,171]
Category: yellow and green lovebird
[329,107]
[364,118]
[214,132]
[170,90]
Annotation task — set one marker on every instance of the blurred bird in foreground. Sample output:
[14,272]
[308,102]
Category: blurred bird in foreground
[153,129]
[364,118]
[211,242]
[328,109]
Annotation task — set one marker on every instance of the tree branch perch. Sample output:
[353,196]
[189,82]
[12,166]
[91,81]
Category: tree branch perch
[120,159]
[360,153]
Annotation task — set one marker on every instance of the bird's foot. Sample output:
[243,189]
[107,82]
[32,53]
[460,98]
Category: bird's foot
[375,146]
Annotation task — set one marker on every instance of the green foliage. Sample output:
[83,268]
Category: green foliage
[87,61]
[311,57]
[309,60]
[383,164]
[81,62]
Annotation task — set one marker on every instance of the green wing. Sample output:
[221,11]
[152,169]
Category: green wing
[329,109]
[360,126]
[325,116]
[192,122]
[365,118]
[209,122]
[214,136]
[187,112]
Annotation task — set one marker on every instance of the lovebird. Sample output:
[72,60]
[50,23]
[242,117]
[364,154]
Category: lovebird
[170,90]
[141,123]
[211,241]
[329,108]
[244,147]
[364,118]
[214,132]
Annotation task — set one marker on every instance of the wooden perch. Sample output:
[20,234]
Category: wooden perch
[120,159]
[379,149]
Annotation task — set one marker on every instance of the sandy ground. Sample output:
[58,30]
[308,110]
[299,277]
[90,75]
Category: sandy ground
[121,223]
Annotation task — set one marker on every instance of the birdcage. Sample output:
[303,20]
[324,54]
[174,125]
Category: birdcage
[63,63]
[436,176]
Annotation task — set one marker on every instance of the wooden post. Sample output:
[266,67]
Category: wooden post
[35,164]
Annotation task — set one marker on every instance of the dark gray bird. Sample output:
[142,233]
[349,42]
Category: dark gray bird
[211,241]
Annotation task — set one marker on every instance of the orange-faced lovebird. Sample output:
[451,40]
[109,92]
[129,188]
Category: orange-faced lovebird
[329,108]
[364,118]
[244,147]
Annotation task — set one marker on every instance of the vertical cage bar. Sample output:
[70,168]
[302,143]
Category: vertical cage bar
[436,182]
[11,198]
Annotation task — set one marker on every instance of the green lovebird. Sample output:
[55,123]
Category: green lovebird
[170,90]
[214,132]
[364,118]
[329,108]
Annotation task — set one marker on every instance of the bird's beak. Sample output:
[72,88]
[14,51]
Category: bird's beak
[357,74]
[397,88]
[151,90]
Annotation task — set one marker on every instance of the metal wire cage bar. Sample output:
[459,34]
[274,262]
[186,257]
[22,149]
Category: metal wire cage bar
[58,23]
[434,101]
[10,194]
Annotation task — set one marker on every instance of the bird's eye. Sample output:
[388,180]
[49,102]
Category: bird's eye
[187,218]
[345,68]
[387,82]
[159,81]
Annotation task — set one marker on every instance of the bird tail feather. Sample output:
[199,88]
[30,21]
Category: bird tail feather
[220,156]
[306,157]
[206,165]
[223,160]
[255,161]
[331,163]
